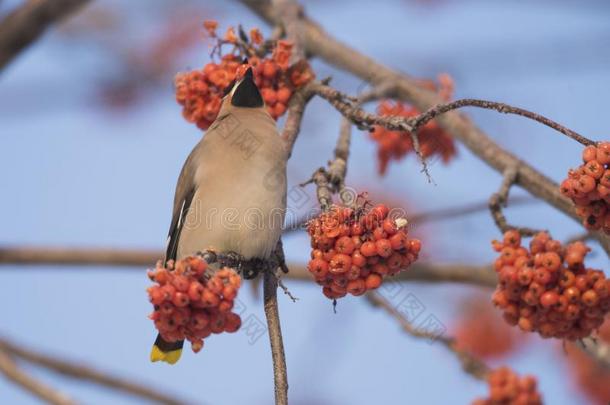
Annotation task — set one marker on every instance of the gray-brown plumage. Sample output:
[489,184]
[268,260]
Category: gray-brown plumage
[231,192]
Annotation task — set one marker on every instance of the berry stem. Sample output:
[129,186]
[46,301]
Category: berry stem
[439,109]
[500,199]
[280,375]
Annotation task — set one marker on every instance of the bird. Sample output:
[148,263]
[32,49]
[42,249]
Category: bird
[231,191]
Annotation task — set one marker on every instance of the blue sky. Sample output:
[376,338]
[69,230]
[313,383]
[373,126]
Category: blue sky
[75,174]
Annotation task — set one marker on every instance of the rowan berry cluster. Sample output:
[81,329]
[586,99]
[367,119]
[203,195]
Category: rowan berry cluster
[548,289]
[200,91]
[433,140]
[354,249]
[507,388]
[480,330]
[589,187]
[191,303]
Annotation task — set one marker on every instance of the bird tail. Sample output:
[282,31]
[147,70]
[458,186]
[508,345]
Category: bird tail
[168,352]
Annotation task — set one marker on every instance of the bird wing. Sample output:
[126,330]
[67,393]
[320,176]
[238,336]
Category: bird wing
[185,190]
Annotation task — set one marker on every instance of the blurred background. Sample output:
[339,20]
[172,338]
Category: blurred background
[92,142]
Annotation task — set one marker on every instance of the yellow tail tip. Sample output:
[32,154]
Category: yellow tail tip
[170,357]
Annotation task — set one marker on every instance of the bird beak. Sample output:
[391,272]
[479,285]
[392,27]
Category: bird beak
[246,94]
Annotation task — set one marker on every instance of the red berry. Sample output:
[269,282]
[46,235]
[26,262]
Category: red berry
[340,263]
[383,248]
[318,267]
[373,281]
[344,245]
[548,299]
[398,241]
[368,249]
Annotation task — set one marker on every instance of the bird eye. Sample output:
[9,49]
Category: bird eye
[227,89]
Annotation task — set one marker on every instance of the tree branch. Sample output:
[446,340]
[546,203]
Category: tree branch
[296,109]
[289,13]
[24,25]
[72,256]
[418,271]
[12,372]
[320,43]
[82,372]
[280,375]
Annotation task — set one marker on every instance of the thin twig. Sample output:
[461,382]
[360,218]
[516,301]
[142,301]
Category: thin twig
[12,372]
[281,284]
[24,25]
[500,199]
[280,375]
[337,168]
[324,188]
[470,364]
[439,109]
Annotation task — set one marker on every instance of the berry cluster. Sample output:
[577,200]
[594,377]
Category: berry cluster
[507,388]
[589,187]
[192,304]
[548,289]
[433,140]
[481,331]
[354,249]
[200,91]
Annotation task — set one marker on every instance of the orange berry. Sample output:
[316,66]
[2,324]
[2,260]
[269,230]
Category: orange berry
[373,281]
[356,287]
[283,95]
[368,249]
[589,298]
[340,263]
[344,245]
[383,248]
[269,70]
